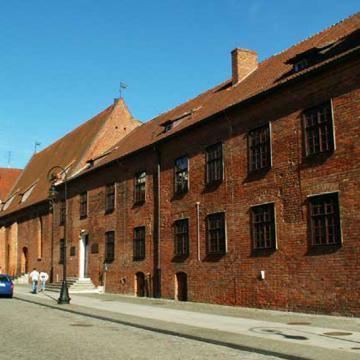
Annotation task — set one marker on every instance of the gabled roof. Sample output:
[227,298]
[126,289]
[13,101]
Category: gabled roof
[332,43]
[71,153]
[7,180]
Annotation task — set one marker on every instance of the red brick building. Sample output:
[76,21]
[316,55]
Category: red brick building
[247,194]
[26,229]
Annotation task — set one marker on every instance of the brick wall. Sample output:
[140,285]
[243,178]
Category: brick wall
[296,278]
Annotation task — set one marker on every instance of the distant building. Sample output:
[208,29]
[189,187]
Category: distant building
[8,178]
[246,195]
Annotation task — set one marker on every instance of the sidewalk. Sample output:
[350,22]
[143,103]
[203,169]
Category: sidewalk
[287,335]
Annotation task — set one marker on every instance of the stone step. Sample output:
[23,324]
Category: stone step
[74,285]
[22,279]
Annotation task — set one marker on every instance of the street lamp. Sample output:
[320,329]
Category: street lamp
[52,177]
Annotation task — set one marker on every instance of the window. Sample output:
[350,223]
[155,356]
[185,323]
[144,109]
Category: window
[62,251]
[62,212]
[259,148]
[216,234]
[214,163]
[318,129]
[8,203]
[263,227]
[72,251]
[40,236]
[95,248]
[139,243]
[325,220]
[168,125]
[27,193]
[140,182]
[181,247]
[109,246]
[300,65]
[83,205]
[181,175]
[109,198]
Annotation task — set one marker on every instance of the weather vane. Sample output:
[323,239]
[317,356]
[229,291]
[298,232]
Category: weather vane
[123,86]
[37,143]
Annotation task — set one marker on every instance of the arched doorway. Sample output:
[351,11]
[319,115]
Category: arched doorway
[140,284]
[24,264]
[181,286]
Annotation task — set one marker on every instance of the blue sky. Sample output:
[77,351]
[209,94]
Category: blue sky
[62,62]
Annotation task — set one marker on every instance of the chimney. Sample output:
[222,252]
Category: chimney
[244,62]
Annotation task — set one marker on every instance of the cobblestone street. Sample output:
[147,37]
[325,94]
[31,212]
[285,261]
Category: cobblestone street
[30,331]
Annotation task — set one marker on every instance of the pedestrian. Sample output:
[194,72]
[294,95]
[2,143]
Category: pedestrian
[43,279]
[34,275]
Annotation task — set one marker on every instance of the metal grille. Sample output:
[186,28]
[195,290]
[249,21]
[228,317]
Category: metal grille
[139,243]
[263,226]
[140,182]
[325,220]
[216,234]
[259,148]
[181,247]
[318,129]
[214,163]
[83,205]
[109,246]
[110,198]
[181,175]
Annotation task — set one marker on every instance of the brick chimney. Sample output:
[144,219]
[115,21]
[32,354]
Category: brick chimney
[244,62]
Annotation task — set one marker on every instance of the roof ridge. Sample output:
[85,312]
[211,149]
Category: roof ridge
[187,101]
[6,168]
[72,131]
[312,36]
[265,60]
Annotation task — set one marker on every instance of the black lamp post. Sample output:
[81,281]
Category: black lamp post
[52,177]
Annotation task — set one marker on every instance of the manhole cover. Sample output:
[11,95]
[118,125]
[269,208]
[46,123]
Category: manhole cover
[298,323]
[81,325]
[337,333]
[355,348]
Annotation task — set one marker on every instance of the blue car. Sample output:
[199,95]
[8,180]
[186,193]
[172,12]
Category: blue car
[6,286]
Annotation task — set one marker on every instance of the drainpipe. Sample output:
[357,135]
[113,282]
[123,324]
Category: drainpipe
[157,213]
[52,219]
[198,229]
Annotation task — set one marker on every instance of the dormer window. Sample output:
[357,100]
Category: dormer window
[168,126]
[8,203]
[27,193]
[300,65]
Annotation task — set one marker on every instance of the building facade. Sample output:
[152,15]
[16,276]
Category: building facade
[245,195]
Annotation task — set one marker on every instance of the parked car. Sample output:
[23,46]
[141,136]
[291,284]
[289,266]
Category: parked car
[6,286]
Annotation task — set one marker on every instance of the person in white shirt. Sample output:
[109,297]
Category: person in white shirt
[43,279]
[34,275]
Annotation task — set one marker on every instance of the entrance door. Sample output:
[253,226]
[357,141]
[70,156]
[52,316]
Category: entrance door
[24,265]
[84,256]
[181,282]
[140,284]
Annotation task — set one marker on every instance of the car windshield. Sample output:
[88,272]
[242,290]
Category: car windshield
[4,279]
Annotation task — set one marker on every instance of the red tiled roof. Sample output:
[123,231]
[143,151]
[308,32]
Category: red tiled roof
[67,150]
[269,74]
[7,180]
